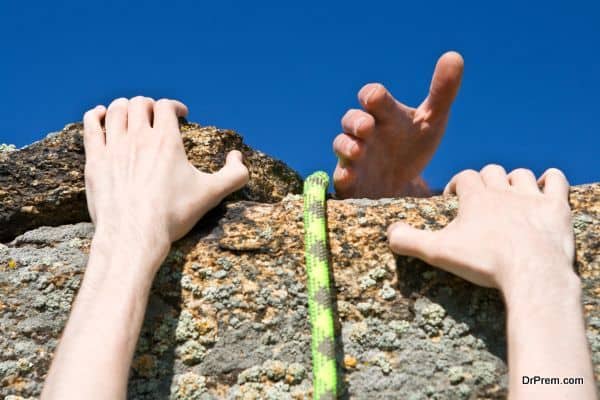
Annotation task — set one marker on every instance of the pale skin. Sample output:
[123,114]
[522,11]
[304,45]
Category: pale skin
[511,235]
[385,146]
[143,194]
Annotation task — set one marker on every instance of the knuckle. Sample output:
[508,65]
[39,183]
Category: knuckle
[88,115]
[467,174]
[164,103]
[555,172]
[521,171]
[120,102]
[338,142]
[138,99]
[492,167]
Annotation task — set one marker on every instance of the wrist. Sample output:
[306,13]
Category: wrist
[124,250]
[153,241]
[531,292]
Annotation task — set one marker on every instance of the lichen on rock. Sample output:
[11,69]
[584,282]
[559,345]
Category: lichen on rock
[227,315]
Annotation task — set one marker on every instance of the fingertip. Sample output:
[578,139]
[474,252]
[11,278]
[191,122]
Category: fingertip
[239,174]
[447,191]
[181,109]
[347,147]
[445,83]
[392,228]
[554,183]
[453,58]
[234,157]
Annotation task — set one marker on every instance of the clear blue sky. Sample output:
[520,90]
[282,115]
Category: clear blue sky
[283,73]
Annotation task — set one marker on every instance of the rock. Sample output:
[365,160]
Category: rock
[227,316]
[245,333]
[42,184]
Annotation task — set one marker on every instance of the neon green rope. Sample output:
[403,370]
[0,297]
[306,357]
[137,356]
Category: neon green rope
[319,291]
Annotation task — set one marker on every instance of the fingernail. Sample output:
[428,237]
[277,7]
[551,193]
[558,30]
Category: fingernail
[371,94]
[390,229]
[358,123]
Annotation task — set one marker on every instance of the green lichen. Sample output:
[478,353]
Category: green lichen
[382,362]
[366,282]
[251,374]
[186,327]
[399,326]
[274,369]
[433,314]
[191,352]
[189,386]
[456,375]
[387,292]
[296,372]
[378,273]
[7,147]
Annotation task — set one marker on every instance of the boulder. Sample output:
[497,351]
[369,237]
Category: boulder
[227,316]
[42,184]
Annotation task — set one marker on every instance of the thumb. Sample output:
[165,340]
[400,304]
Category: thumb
[444,86]
[233,176]
[408,241]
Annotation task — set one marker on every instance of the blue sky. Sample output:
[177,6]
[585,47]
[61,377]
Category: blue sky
[283,73]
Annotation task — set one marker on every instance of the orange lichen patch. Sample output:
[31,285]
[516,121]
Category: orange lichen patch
[350,362]
[145,365]
[15,382]
[436,339]
[30,210]
[206,325]
[59,280]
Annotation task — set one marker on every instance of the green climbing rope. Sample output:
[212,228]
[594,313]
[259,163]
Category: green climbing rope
[319,291]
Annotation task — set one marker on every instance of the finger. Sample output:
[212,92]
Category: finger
[494,176]
[140,110]
[233,176]
[358,123]
[380,103]
[408,241]
[167,113]
[116,119]
[344,178]
[347,146]
[444,86]
[523,180]
[555,184]
[464,182]
[93,135]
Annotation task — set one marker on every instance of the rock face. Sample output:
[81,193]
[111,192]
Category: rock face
[227,317]
[42,184]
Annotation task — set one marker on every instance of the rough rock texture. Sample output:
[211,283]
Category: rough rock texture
[42,184]
[227,317]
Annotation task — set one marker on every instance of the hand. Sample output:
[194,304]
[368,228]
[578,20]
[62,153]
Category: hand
[138,178]
[507,230]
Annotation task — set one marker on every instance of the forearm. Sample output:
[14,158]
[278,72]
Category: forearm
[546,338]
[97,344]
